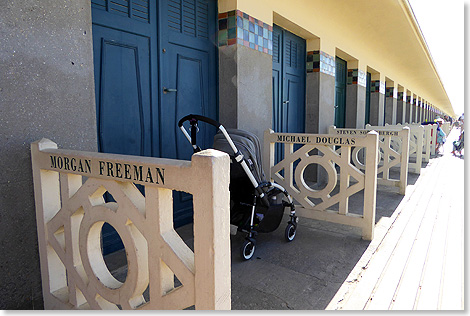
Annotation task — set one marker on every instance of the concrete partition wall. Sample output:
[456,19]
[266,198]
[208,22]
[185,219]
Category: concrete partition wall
[245,88]
[377,97]
[401,106]
[355,95]
[46,89]
[390,103]
[320,149]
[320,90]
[71,209]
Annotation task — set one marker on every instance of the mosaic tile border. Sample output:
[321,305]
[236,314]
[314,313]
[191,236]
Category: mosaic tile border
[357,76]
[236,27]
[408,99]
[391,92]
[377,86]
[318,61]
[402,96]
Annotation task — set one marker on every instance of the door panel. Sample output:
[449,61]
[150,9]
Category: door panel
[123,38]
[340,95]
[288,82]
[138,50]
[189,65]
[289,74]
[124,81]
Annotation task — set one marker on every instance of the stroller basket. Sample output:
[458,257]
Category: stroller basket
[257,206]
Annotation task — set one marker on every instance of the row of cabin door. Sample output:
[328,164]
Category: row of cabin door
[154,62]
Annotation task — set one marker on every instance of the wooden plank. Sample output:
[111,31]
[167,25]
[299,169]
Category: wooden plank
[452,286]
[383,293]
[385,286]
[429,289]
[373,270]
[408,288]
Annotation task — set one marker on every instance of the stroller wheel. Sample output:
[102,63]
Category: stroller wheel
[248,249]
[290,232]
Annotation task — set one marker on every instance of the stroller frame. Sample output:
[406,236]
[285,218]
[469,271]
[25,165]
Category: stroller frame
[261,191]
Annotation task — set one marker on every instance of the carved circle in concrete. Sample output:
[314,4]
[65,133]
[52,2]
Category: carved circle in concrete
[90,250]
[328,167]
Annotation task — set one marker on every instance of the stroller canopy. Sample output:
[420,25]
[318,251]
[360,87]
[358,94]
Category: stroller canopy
[248,144]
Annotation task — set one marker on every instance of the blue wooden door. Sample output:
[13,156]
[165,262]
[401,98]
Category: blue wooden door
[189,75]
[289,73]
[141,47]
[340,95]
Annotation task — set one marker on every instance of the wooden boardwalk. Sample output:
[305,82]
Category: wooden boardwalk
[416,260]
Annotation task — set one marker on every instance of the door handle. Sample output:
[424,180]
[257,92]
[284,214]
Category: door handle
[285,102]
[336,106]
[166,90]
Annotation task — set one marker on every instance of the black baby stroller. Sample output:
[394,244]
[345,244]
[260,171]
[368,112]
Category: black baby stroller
[256,205]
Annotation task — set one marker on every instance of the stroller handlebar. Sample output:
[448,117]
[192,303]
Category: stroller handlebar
[199,118]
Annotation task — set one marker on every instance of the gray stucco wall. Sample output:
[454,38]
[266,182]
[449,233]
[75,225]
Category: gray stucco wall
[408,112]
[355,106]
[400,113]
[245,89]
[377,109]
[46,90]
[320,111]
[390,110]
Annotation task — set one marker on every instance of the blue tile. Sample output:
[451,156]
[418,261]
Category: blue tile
[246,24]
[256,29]
[239,21]
[252,45]
[256,39]
[270,51]
[260,48]
[252,38]
[251,27]
[246,35]
[240,32]
[240,41]
[270,36]
[270,45]
[265,33]
[265,43]
[260,31]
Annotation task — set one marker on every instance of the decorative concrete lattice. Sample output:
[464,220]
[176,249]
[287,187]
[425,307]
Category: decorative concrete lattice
[415,146]
[319,149]
[71,212]
[391,154]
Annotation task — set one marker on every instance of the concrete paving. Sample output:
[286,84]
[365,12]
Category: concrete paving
[325,264]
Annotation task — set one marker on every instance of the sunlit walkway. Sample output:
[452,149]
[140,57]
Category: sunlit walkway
[416,260]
